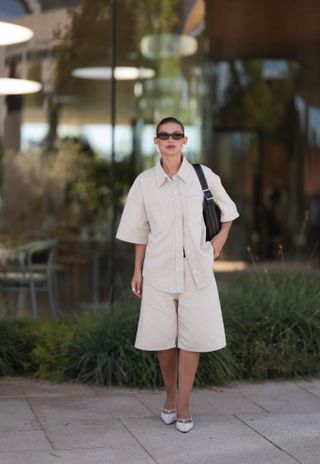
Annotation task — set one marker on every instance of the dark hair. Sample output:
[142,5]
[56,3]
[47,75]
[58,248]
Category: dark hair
[169,119]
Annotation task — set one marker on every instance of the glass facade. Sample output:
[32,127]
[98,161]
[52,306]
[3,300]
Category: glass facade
[109,71]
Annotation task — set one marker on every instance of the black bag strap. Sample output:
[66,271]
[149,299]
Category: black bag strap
[203,181]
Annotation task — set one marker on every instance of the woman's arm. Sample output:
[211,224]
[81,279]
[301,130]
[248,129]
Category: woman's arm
[220,239]
[136,282]
[227,207]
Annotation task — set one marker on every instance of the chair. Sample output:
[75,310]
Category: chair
[29,268]
[72,254]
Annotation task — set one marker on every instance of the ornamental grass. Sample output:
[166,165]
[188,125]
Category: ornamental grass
[272,322]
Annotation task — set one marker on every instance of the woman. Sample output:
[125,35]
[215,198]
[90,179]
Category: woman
[180,314]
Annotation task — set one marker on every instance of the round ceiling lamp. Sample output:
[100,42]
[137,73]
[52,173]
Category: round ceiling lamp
[11,86]
[168,45]
[121,73]
[13,33]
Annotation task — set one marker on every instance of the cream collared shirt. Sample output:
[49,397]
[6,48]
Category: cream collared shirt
[166,215]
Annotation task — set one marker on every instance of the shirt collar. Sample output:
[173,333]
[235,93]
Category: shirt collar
[183,173]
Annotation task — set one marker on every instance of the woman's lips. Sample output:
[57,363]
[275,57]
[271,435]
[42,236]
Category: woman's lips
[170,146]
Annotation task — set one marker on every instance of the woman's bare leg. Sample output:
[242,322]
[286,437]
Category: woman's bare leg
[168,360]
[188,365]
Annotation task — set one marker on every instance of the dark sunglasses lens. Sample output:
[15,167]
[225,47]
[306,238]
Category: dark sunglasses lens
[177,136]
[165,135]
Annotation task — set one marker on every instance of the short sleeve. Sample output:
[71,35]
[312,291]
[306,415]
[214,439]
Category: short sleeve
[134,226]
[227,206]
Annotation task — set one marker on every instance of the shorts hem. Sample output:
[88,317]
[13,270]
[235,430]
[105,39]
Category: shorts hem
[143,348]
[202,350]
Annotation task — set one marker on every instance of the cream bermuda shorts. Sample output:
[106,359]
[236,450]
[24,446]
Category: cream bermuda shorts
[191,320]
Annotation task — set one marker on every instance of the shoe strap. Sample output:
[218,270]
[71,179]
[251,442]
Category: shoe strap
[168,411]
[185,420]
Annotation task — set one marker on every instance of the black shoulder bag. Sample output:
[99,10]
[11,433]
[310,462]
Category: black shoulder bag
[211,211]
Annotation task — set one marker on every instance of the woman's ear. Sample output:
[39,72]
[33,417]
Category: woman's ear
[157,145]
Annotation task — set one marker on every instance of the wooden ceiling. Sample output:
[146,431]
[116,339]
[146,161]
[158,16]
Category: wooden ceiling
[262,28]
[286,29]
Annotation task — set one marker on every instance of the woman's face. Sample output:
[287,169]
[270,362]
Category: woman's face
[170,146]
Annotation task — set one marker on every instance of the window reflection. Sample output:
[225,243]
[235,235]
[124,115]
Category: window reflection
[250,107]
[57,143]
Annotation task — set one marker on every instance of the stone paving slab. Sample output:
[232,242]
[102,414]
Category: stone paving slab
[107,390]
[24,440]
[25,387]
[63,410]
[298,434]
[214,401]
[223,401]
[279,397]
[82,456]
[310,386]
[245,423]
[112,435]
[218,441]
[16,414]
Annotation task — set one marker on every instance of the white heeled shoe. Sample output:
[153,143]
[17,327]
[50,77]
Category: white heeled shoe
[184,425]
[168,416]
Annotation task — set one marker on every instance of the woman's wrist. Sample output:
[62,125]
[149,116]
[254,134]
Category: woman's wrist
[225,227]
[224,231]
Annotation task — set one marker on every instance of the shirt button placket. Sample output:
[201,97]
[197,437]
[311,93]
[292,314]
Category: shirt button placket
[179,237]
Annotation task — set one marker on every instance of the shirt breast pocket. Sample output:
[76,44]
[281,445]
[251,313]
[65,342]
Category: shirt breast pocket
[160,216]
[195,208]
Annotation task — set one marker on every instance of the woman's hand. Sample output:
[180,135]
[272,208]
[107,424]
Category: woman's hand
[136,283]
[218,241]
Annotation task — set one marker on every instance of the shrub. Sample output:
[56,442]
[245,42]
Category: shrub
[16,341]
[103,351]
[273,324]
[49,355]
[217,368]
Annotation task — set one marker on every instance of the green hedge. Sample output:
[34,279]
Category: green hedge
[17,340]
[272,323]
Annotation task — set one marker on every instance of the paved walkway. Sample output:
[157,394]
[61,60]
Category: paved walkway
[267,423]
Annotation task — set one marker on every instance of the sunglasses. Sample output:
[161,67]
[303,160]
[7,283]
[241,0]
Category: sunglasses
[166,135]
